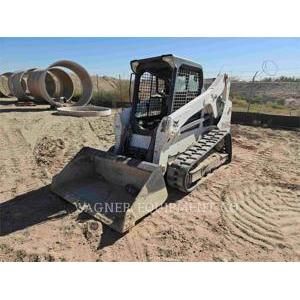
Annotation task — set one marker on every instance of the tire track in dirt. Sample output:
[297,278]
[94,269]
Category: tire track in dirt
[171,233]
[174,233]
[267,155]
[262,217]
[262,179]
[16,158]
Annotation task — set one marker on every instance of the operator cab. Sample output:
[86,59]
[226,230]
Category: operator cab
[162,85]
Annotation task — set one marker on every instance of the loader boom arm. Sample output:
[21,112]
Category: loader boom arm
[208,98]
[169,131]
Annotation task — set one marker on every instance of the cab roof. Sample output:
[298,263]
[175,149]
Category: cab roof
[167,60]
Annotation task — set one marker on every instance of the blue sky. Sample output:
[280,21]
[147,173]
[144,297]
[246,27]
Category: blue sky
[111,56]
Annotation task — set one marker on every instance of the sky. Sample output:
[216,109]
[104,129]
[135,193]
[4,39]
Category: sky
[240,57]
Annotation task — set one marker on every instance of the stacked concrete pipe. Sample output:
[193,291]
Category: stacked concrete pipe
[53,84]
[38,87]
[18,85]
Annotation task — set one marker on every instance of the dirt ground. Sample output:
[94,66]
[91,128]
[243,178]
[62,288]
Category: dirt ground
[246,211]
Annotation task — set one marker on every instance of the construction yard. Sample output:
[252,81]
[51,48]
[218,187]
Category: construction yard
[248,210]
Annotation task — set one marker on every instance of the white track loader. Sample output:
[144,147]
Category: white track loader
[175,133]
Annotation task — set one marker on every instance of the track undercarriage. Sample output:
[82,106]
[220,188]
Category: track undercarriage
[210,152]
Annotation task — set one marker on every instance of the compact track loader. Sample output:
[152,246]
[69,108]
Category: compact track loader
[175,133]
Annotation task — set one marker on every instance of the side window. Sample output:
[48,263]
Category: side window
[181,85]
[193,83]
[187,87]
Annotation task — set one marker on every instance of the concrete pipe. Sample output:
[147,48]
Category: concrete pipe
[42,85]
[18,85]
[64,83]
[51,85]
[83,75]
[4,87]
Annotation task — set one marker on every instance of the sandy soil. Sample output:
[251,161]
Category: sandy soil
[246,211]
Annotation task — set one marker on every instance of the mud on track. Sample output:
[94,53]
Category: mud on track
[246,211]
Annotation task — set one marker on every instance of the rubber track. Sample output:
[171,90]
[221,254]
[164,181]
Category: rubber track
[194,155]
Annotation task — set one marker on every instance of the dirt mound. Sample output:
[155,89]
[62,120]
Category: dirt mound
[47,150]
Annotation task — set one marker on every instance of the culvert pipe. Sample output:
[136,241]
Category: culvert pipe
[18,84]
[42,85]
[4,87]
[65,86]
[51,85]
[84,77]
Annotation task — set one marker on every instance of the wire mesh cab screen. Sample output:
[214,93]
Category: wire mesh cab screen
[188,86]
[150,96]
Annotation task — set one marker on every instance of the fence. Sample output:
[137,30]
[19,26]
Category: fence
[110,91]
[279,96]
[275,97]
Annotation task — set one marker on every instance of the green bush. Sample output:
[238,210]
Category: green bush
[277,106]
[280,102]
[241,103]
[287,79]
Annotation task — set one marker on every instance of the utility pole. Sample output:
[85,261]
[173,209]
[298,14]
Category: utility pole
[251,91]
[97,84]
[120,85]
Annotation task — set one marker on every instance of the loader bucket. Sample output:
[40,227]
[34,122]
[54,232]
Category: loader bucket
[115,189]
